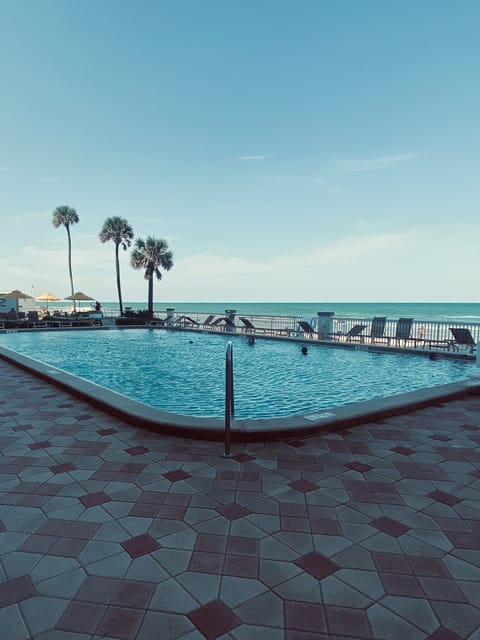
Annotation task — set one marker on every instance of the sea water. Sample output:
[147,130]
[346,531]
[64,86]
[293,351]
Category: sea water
[449,312]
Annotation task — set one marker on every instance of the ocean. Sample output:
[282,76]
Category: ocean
[462,312]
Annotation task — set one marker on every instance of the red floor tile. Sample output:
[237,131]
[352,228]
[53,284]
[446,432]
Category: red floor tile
[240,566]
[390,527]
[425,566]
[202,562]
[391,562]
[175,476]
[140,545]
[83,530]
[442,589]
[97,589]
[233,511]
[137,451]
[94,499]
[404,451]
[304,616]
[45,444]
[133,594]
[38,544]
[346,621]
[241,546]
[463,540]
[398,584]
[62,468]
[68,547]
[16,590]
[214,619]
[445,498]
[81,617]
[359,466]
[304,486]
[317,565]
[120,622]
[211,543]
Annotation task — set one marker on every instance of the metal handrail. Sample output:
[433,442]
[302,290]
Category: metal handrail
[229,397]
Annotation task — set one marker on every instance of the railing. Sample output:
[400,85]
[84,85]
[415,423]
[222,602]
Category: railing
[229,397]
[421,330]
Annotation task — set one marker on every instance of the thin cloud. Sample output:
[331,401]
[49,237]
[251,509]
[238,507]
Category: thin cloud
[357,165]
[3,168]
[343,252]
[259,157]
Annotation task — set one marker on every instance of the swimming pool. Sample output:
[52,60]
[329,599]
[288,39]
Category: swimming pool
[183,372]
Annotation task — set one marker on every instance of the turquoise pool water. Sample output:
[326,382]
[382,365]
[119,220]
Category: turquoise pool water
[183,372]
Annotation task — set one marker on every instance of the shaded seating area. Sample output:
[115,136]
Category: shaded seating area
[463,338]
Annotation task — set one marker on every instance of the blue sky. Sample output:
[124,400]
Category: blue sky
[287,151]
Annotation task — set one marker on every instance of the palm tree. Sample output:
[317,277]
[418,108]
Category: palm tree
[118,230]
[150,254]
[66,216]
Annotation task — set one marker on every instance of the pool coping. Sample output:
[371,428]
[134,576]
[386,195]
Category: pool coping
[141,415]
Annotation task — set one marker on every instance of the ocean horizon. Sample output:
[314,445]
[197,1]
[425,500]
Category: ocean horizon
[466,312]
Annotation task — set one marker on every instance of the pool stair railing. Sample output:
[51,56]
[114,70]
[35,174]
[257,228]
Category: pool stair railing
[229,398]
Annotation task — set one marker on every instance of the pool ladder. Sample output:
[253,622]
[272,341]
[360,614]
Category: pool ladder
[229,397]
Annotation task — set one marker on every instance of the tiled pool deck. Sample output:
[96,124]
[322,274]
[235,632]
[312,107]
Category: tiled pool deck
[108,531]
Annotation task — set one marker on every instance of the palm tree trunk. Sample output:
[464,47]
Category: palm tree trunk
[119,289]
[150,298]
[70,263]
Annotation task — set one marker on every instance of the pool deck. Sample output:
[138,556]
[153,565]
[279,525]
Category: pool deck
[111,531]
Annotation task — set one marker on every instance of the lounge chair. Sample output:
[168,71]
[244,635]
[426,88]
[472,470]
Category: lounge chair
[463,338]
[248,325]
[377,331]
[185,321]
[403,330]
[306,328]
[208,321]
[355,332]
[223,323]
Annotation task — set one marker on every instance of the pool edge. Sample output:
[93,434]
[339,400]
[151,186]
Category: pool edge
[141,415]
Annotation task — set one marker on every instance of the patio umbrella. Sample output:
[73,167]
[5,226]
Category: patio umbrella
[17,295]
[48,297]
[79,295]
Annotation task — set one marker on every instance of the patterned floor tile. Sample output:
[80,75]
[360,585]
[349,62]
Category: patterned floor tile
[372,532]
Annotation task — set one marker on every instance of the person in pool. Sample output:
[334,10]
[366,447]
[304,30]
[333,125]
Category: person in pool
[304,351]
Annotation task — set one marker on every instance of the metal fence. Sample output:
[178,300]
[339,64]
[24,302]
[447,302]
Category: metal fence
[430,334]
